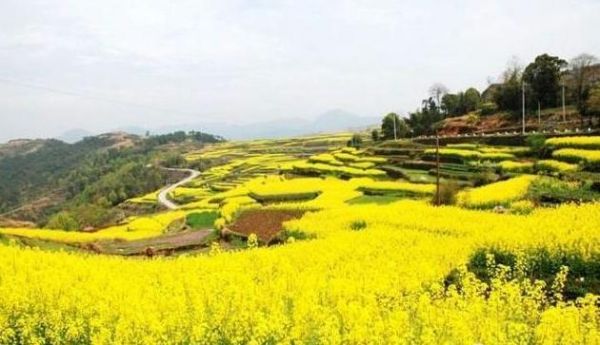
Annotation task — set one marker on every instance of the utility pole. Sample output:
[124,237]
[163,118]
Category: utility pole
[563,104]
[395,135]
[437,167]
[539,115]
[523,92]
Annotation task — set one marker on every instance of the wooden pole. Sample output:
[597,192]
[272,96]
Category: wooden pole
[437,168]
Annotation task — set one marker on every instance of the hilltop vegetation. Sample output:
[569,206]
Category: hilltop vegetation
[500,106]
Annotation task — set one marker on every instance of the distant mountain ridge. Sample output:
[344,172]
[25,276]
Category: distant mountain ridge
[331,121]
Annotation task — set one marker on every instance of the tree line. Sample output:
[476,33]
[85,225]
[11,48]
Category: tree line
[543,81]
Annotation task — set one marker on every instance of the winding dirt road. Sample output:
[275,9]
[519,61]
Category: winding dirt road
[163,198]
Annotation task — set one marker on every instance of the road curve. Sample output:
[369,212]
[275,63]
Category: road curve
[163,198]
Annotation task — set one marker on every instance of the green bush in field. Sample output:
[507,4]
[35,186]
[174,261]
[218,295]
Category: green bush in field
[542,264]
[62,221]
[488,108]
[553,190]
[448,192]
[537,144]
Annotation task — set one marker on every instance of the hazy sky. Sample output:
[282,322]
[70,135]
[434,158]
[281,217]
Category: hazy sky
[152,63]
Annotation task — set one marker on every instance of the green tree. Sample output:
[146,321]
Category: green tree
[581,71]
[355,141]
[423,121]
[391,121]
[471,99]
[508,94]
[543,77]
[451,104]
[375,135]
[62,221]
[593,101]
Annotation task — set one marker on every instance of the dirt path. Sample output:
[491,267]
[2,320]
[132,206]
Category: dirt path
[163,198]
[157,245]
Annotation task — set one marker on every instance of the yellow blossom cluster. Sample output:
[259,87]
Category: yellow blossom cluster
[498,193]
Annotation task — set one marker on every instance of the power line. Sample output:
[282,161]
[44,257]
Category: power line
[89,96]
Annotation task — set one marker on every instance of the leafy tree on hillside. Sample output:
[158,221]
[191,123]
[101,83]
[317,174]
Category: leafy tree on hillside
[423,120]
[375,135]
[581,73]
[62,221]
[471,99]
[460,103]
[452,104]
[593,101]
[508,94]
[543,77]
[355,141]
[391,121]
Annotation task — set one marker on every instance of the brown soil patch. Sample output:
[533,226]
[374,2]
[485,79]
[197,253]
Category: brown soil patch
[163,245]
[266,224]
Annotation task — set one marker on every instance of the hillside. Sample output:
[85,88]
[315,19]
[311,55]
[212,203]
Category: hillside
[41,177]
[549,120]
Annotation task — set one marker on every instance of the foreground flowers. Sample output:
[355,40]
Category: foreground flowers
[382,283]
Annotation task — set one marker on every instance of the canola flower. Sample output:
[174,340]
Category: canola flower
[345,157]
[470,154]
[498,193]
[362,165]
[583,142]
[135,229]
[287,188]
[337,170]
[325,158]
[577,155]
[555,166]
[516,167]
[382,284]
[149,198]
[375,187]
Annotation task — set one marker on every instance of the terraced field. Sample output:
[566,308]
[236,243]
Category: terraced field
[305,240]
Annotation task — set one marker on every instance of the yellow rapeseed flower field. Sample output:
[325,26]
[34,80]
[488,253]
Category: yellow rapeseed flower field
[353,269]
[584,142]
[382,284]
[499,193]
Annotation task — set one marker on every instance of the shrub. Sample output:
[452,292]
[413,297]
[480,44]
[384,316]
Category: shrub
[522,207]
[355,142]
[63,221]
[488,108]
[555,191]
[358,225]
[375,135]
[483,177]
[447,193]
[536,142]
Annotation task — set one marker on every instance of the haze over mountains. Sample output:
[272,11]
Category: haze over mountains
[330,121]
